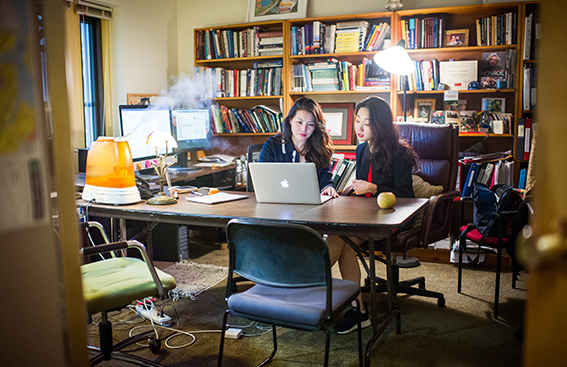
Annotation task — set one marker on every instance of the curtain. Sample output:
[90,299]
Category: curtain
[107,95]
[74,78]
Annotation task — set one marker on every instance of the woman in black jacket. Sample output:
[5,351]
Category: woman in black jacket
[304,138]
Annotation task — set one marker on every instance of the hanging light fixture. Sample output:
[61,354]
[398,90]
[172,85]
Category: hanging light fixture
[394,5]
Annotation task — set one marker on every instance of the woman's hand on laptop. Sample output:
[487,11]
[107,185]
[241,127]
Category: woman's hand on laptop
[330,191]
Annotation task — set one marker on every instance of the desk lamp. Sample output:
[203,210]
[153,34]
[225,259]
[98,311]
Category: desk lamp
[396,60]
[109,177]
[161,139]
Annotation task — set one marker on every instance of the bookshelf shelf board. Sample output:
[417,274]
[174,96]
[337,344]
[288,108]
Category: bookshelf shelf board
[220,99]
[453,50]
[465,91]
[237,59]
[345,148]
[341,92]
[245,134]
[368,54]
[484,135]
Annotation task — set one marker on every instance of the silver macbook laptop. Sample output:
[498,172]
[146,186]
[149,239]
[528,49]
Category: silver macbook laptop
[290,183]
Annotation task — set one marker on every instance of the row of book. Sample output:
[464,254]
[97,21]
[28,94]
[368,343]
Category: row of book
[424,77]
[344,171]
[497,30]
[488,173]
[334,75]
[354,36]
[228,43]
[261,80]
[422,33]
[258,119]
[524,138]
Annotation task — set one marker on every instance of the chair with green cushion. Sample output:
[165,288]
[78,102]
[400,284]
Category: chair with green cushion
[112,283]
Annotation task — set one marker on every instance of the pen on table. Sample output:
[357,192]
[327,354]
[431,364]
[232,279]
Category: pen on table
[196,193]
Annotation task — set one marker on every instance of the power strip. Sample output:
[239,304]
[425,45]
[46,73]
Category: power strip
[233,333]
[151,313]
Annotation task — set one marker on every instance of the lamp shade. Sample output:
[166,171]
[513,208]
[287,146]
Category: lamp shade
[395,60]
[161,139]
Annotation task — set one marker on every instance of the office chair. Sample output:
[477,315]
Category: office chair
[500,237]
[437,148]
[114,282]
[291,268]
[252,155]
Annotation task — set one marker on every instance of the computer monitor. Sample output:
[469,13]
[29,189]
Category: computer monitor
[192,130]
[137,122]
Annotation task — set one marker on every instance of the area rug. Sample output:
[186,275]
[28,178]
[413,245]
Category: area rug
[193,279]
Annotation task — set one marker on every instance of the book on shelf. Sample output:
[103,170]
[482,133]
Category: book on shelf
[527,138]
[529,88]
[493,69]
[466,190]
[522,179]
[528,29]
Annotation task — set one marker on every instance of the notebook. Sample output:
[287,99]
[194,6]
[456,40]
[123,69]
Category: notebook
[289,183]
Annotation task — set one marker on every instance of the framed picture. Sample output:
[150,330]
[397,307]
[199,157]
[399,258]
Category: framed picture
[423,109]
[457,37]
[263,10]
[453,117]
[339,121]
[140,98]
[494,104]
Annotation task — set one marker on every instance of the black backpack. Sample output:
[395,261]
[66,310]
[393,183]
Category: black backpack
[490,203]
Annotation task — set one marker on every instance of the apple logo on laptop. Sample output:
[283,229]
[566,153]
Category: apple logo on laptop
[284,183]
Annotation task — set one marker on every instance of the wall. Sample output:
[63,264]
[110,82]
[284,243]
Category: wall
[144,42]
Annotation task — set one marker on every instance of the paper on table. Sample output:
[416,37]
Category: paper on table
[221,197]
[212,164]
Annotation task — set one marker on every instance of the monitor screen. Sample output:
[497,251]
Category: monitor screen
[192,129]
[137,122]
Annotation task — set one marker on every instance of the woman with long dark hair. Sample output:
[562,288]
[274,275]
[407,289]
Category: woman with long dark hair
[304,138]
[384,162]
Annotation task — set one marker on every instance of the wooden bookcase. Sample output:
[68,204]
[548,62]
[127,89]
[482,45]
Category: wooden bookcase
[465,18]
[236,143]
[454,18]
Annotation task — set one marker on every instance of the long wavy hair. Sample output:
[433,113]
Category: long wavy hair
[386,142]
[318,148]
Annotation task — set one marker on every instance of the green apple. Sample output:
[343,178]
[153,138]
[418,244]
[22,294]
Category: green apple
[386,200]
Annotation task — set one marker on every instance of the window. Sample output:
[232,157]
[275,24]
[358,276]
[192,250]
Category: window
[91,57]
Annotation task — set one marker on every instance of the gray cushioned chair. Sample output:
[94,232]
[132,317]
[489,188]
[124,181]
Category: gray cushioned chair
[291,268]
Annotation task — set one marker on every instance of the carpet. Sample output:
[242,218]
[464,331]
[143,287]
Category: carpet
[192,278]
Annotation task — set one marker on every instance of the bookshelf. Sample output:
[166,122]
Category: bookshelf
[349,89]
[457,18]
[242,67]
[527,92]
[468,20]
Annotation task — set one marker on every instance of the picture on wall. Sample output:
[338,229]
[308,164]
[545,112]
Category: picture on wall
[264,10]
